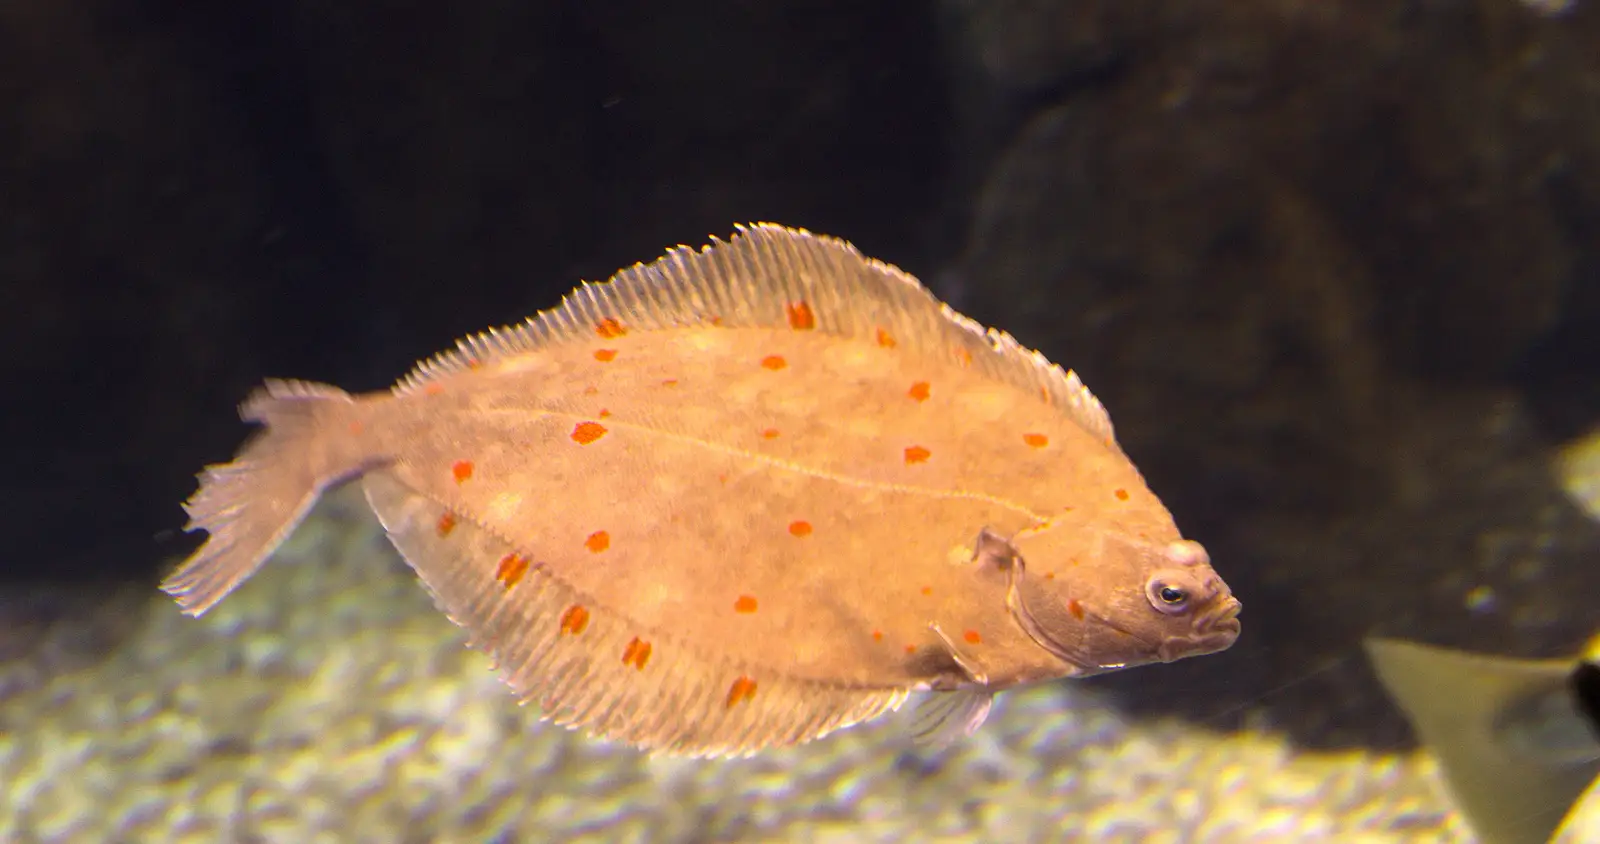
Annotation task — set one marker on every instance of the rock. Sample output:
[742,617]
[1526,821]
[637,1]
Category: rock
[1299,254]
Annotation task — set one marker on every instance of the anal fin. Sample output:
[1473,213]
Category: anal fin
[590,666]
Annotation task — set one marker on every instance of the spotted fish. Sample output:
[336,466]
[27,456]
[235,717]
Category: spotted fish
[739,498]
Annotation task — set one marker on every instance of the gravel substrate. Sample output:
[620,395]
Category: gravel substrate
[326,700]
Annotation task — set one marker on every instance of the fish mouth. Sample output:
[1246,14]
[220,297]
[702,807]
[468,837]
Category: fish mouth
[1216,631]
[1223,619]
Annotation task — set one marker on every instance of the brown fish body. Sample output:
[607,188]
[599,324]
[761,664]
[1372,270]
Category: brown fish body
[735,500]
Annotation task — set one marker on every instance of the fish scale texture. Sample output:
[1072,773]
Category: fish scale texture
[331,702]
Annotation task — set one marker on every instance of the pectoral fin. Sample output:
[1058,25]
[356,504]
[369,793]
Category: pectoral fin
[957,710]
[943,718]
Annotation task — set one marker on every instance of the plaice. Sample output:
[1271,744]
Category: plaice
[739,498]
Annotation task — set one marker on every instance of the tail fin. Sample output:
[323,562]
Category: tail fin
[1513,752]
[251,505]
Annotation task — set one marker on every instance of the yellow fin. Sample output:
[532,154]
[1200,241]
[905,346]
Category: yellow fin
[588,665]
[1460,705]
[1577,467]
[761,278]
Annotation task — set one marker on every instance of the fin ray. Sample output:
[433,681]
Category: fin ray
[750,281]
[250,505]
[945,717]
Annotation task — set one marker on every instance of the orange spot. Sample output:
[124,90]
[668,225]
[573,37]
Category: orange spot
[1036,440]
[774,362]
[603,414]
[609,328]
[972,637]
[800,528]
[723,477]
[885,339]
[1049,575]
[432,388]
[927,590]
[462,469]
[447,523]
[877,635]
[590,390]
[587,432]
[800,316]
[963,356]
[1121,494]
[598,541]
[917,454]
[574,619]
[1075,607]
[1044,394]
[356,428]
[919,391]
[474,363]
[605,355]
[745,603]
[770,434]
[669,382]
[743,689]
[637,653]
[716,320]
[512,567]
[911,649]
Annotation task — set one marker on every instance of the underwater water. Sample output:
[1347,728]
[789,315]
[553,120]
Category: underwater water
[329,701]
[1333,268]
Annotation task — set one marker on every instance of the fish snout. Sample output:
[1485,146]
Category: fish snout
[1224,620]
[1215,631]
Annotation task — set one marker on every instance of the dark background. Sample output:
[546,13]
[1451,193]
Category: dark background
[1332,266]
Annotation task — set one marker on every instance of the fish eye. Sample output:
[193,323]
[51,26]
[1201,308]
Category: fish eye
[1171,592]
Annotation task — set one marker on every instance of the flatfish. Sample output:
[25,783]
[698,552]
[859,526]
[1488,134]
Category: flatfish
[739,498]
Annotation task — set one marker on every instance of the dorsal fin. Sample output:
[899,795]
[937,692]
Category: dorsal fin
[770,276]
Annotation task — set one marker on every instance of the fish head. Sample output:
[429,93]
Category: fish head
[1119,599]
